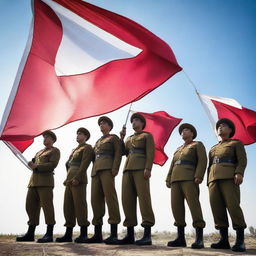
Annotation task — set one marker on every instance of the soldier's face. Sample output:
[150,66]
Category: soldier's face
[48,140]
[80,137]
[224,130]
[104,126]
[187,134]
[137,124]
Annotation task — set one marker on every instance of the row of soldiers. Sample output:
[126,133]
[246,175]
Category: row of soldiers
[227,162]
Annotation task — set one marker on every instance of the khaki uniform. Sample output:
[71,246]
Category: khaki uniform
[40,187]
[225,160]
[75,205]
[108,154]
[140,150]
[189,162]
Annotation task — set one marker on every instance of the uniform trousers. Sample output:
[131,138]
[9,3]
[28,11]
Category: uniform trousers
[189,190]
[225,195]
[103,190]
[38,197]
[135,185]
[75,206]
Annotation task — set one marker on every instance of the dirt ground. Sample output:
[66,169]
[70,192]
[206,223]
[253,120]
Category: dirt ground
[9,247]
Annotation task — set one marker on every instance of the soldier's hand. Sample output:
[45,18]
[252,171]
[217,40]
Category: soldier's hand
[147,174]
[75,182]
[168,185]
[238,179]
[32,165]
[198,180]
[123,133]
[114,172]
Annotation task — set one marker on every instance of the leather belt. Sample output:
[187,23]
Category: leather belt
[43,172]
[184,162]
[100,155]
[217,160]
[136,150]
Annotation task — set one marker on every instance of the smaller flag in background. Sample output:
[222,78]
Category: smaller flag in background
[243,118]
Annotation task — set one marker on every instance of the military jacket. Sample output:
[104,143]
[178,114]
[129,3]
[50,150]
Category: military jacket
[230,150]
[140,151]
[78,162]
[108,153]
[46,161]
[189,162]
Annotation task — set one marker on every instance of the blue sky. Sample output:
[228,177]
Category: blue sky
[215,43]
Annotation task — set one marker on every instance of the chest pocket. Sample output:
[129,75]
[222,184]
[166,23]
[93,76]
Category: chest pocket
[189,153]
[138,142]
[43,158]
[105,145]
[77,155]
[227,151]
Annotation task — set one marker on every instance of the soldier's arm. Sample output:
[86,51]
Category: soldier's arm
[117,152]
[168,178]
[241,158]
[87,158]
[209,166]
[53,161]
[150,151]
[201,161]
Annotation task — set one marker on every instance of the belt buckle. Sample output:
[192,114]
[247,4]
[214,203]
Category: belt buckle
[178,162]
[216,160]
[97,156]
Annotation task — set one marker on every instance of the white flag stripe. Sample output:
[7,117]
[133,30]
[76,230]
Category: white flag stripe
[84,55]
[227,101]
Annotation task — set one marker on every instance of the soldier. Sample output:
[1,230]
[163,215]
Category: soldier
[227,163]
[75,205]
[108,154]
[40,189]
[139,149]
[186,173]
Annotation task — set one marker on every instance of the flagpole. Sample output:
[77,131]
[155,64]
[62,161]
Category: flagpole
[124,126]
[202,104]
[17,153]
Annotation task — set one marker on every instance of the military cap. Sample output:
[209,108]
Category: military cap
[229,123]
[50,133]
[107,120]
[139,116]
[84,131]
[190,127]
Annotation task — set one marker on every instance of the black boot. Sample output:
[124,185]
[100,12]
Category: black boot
[199,243]
[146,239]
[129,238]
[67,236]
[223,243]
[180,240]
[48,237]
[112,239]
[239,245]
[29,236]
[83,235]
[97,237]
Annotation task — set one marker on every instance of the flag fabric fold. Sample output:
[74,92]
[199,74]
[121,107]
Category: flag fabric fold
[160,124]
[243,118]
[81,61]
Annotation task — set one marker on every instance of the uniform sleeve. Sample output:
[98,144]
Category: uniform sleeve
[201,161]
[117,152]
[150,151]
[87,158]
[52,163]
[241,158]
[209,165]
[168,178]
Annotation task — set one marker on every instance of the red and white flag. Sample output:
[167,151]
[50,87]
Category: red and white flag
[81,61]
[243,118]
[160,125]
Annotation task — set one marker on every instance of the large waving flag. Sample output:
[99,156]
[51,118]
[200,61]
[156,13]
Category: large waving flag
[243,118]
[160,124]
[81,61]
